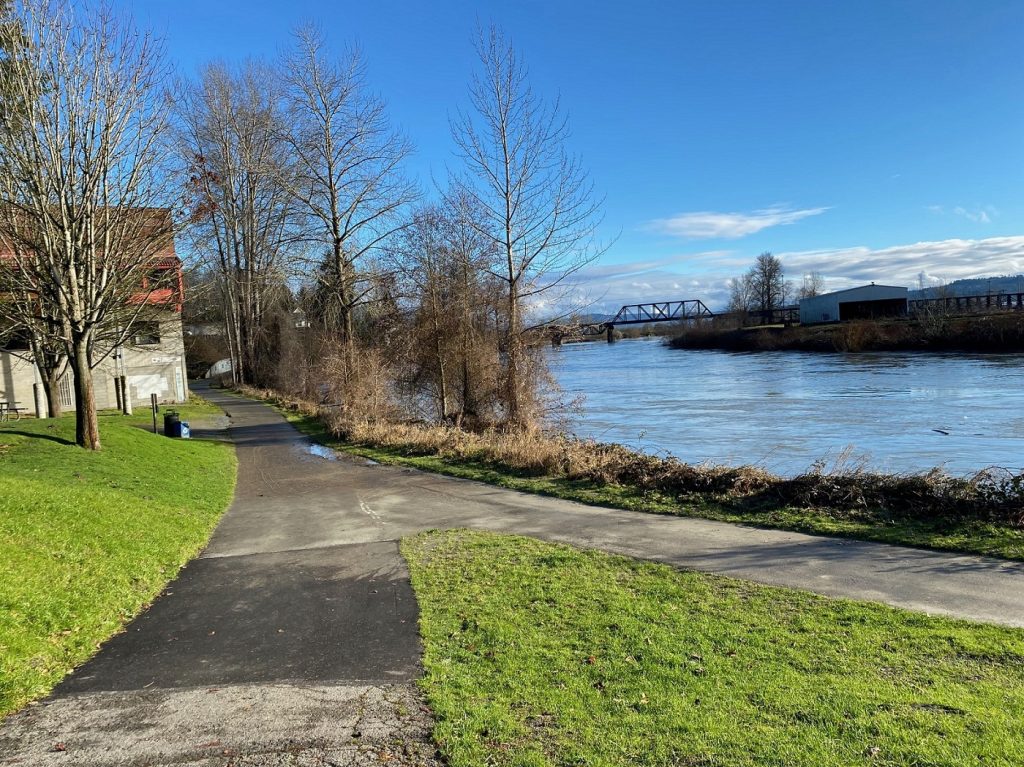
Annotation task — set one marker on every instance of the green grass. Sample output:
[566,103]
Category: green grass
[942,534]
[541,654]
[88,539]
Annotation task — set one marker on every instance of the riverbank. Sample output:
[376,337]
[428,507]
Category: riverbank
[994,333]
[87,540]
[980,515]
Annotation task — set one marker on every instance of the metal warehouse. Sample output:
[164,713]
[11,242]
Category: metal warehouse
[865,302]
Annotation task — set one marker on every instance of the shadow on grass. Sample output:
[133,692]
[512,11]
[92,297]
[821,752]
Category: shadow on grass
[35,435]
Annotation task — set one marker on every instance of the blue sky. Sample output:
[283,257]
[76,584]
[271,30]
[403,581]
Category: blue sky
[867,140]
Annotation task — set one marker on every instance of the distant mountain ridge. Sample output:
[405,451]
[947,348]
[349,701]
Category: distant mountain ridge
[973,286]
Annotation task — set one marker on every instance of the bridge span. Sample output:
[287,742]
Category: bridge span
[635,314]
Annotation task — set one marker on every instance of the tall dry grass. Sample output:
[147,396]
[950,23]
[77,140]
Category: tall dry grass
[993,495]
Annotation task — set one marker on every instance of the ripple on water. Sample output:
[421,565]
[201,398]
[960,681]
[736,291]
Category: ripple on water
[786,410]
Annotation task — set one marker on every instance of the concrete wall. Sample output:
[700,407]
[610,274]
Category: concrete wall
[825,308]
[151,368]
[16,379]
[158,368]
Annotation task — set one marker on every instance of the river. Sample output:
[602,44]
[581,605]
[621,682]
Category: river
[891,412]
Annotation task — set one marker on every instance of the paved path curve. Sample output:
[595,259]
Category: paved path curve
[292,639]
[294,502]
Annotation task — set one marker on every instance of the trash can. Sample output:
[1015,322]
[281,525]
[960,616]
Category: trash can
[172,424]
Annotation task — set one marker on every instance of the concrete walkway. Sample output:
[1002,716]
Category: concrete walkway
[292,639]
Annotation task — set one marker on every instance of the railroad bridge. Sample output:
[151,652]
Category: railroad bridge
[635,314]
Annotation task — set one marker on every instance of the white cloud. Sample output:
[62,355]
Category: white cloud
[947,260]
[980,214]
[730,226]
[606,287]
[977,216]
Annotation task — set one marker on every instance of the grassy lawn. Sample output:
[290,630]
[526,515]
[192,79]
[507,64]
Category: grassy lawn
[87,540]
[540,654]
[942,534]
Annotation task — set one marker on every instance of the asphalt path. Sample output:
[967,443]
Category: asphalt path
[290,498]
[292,639]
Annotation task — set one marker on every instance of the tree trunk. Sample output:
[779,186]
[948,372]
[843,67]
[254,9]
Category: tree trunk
[87,427]
[51,384]
[514,351]
[346,325]
[439,354]
[468,400]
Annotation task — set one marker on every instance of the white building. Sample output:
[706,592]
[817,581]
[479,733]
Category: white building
[154,363]
[866,302]
[152,360]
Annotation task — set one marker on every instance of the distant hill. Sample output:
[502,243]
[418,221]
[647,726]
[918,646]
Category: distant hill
[975,286]
[592,317]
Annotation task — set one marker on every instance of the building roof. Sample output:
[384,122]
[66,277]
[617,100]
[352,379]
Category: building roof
[155,223]
[859,287]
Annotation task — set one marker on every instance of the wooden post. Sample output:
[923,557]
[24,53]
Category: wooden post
[152,404]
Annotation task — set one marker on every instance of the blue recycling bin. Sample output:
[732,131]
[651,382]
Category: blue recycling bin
[175,427]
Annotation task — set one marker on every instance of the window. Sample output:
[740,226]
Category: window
[145,334]
[161,278]
[16,341]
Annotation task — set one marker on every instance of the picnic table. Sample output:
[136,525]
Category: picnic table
[7,409]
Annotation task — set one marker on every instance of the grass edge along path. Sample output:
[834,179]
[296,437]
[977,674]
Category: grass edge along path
[88,540]
[969,537]
[544,654]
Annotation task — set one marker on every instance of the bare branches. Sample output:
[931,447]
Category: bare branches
[347,166]
[244,219]
[82,174]
[536,200]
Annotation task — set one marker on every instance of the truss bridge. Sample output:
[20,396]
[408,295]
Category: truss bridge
[634,314]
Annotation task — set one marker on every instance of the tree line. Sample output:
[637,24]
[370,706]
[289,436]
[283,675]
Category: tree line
[330,273]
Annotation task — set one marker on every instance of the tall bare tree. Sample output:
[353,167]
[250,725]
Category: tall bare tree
[768,282]
[347,174]
[82,173]
[536,201]
[243,217]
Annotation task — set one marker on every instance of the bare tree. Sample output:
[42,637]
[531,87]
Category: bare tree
[82,174]
[812,285]
[767,282]
[30,329]
[452,357]
[243,216]
[536,201]
[741,294]
[346,171]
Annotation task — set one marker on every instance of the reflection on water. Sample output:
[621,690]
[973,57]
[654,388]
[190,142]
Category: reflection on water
[321,452]
[786,410]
